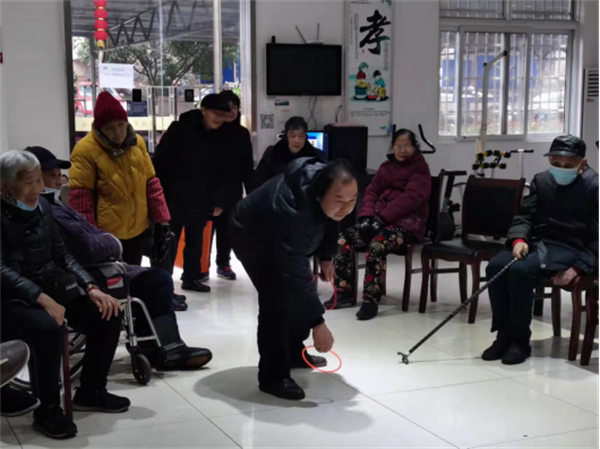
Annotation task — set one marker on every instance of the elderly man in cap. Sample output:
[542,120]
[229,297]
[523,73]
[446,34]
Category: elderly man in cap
[555,236]
[190,166]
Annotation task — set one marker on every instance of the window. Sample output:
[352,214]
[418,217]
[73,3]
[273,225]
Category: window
[508,9]
[527,89]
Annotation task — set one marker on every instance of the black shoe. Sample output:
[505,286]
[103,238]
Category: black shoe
[179,306]
[54,423]
[195,286]
[498,348]
[183,357]
[344,299]
[315,360]
[516,353]
[226,273]
[16,402]
[367,311]
[99,401]
[284,389]
[180,298]
[204,276]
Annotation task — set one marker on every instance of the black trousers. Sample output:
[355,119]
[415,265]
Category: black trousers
[133,249]
[512,295]
[223,231]
[280,338]
[192,253]
[44,337]
[155,287]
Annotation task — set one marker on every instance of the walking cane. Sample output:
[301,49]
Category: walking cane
[459,309]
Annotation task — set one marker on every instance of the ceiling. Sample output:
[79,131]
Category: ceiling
[132,22]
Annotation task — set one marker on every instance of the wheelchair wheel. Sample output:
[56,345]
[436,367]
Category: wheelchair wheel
[142,370]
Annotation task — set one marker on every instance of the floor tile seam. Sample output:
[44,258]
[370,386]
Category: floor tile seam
[554,397]
[533,438]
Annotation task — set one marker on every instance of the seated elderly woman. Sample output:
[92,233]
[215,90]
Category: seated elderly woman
[41,285]
[394,213]
[90,245]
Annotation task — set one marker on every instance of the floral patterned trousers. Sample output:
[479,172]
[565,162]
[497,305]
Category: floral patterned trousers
[379,241]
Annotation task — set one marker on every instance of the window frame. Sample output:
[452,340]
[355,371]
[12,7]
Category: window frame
[507,27]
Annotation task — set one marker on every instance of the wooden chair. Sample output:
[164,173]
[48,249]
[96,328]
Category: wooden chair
[488,208]
[66,373]
[591,306]
[432,235]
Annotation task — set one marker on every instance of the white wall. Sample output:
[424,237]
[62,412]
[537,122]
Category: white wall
[416,59]
[34,75]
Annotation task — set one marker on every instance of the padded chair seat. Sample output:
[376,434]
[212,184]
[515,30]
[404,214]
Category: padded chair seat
[460,247]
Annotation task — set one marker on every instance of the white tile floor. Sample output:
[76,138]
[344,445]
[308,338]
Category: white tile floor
[446,397]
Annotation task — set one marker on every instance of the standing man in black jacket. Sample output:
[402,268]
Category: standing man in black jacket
[239,173]
[275,230]
[42,283]
[555,235]
[190,165]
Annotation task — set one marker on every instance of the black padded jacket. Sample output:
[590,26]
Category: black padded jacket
[31,244]
[561,222]
[282,220]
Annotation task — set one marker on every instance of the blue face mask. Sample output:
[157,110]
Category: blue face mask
[21,205]
[564,176]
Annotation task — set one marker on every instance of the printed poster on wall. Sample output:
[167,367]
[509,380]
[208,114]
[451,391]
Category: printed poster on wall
[117,76]
[370,64]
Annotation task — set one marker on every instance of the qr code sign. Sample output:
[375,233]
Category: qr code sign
[267,121]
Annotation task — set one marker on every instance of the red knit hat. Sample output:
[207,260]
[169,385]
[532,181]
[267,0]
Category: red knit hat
[107,109]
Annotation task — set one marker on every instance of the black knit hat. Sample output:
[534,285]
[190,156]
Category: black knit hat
[567,145]
[216,102]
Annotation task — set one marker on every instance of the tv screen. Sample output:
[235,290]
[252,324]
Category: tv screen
[304,69]
[318,139]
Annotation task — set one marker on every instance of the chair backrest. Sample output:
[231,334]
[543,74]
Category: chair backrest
[489,206]
[433,229]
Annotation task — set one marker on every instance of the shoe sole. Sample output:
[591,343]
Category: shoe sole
[83,408]
[227,278]
[194,290]
[281,396]
[22,412]
[62,436]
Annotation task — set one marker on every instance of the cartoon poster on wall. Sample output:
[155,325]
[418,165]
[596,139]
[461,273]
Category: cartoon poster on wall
[370,64]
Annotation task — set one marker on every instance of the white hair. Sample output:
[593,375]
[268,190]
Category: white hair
[14,162]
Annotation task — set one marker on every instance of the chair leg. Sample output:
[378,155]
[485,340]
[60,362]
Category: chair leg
[356,273]
[463,278]
[67,375]
[538,303]
[476,273]
[425,282]
[434,279]
[591,305]
[576,323]
[556,311]
[408,260]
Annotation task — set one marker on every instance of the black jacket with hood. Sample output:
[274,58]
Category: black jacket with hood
[239,164]
[282,224]
[31,245]
[277,157]
[189,161]
[561,222]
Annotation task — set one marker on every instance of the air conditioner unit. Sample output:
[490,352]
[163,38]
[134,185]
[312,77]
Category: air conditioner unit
[589,121]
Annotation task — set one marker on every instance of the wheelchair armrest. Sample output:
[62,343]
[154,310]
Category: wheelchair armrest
[112,278]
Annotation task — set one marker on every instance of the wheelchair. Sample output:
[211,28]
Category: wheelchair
[112,278]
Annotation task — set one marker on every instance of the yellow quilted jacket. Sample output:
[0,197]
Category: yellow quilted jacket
[118,184]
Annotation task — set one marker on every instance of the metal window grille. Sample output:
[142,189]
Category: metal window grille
[548,83]
[541,9]
[480,9]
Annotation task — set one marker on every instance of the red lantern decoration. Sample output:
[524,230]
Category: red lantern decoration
[100,24]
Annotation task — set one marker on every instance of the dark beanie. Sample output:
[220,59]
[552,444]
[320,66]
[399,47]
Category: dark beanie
[107,109]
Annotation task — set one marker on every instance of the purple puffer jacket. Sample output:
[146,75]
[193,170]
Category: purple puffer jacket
[399,194]
[88,244]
